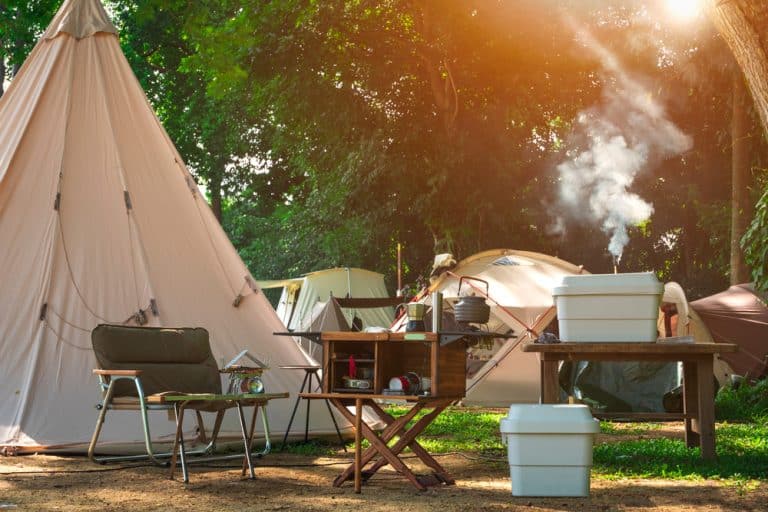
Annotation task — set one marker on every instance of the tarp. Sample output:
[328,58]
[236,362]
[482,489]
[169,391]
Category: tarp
[738,315]
[100,221]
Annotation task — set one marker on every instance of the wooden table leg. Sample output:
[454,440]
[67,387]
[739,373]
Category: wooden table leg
[358,441]
[549,383]
[379,445]
[178,443]
[408,438]
[691,403]
[246,441]
[250,435]
[706,402]
[393,428]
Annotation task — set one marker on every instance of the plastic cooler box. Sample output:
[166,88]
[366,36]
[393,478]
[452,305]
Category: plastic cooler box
[608,307]
[549,449]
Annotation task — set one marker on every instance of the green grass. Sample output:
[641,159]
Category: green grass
[742,452]
[747,402]
[742,448]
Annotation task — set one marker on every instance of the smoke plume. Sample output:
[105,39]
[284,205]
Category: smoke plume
[618,139]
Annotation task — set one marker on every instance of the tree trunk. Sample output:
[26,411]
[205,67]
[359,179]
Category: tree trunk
[743,38]
[741,206]
[214,189]
[18,46]
[2,76]
[439,72]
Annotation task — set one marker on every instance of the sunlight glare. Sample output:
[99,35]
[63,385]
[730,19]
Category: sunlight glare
[684,10]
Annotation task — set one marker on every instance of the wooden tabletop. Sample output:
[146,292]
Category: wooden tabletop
[211,397]
[378,336]
[371,396]
[660,348]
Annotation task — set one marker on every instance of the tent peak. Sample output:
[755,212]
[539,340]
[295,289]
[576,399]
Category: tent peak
[80,19]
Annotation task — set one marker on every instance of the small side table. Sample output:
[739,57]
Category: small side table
[310,374]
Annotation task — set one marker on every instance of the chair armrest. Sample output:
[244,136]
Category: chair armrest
[118,373]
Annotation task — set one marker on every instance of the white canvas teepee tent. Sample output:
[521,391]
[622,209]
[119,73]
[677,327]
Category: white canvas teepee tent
[100,221]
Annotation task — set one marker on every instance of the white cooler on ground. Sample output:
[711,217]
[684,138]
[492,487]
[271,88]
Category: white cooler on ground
[549,448]
[608,307]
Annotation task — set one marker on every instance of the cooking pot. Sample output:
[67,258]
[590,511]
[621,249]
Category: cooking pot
[471,308]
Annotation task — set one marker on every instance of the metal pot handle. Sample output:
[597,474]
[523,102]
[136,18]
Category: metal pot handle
[462,278]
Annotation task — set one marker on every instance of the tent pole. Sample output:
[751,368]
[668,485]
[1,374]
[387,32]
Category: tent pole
[399,292]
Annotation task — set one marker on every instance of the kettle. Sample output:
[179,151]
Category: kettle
[471,308]
[415,312]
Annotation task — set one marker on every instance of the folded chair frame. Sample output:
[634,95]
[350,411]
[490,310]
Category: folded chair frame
[179,403]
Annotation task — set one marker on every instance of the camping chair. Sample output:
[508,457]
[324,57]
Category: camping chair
[151,368]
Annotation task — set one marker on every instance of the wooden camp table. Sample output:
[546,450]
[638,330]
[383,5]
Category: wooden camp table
[395,427]
[440,357]
[698,377]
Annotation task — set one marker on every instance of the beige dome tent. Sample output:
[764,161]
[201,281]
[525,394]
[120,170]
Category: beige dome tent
[100,221]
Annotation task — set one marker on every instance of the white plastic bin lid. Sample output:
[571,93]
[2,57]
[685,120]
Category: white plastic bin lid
[644,283]
[549,419]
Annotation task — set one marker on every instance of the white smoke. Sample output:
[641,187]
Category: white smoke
[620,137]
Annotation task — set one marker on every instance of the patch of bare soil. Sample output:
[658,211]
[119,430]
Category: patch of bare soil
[291,482]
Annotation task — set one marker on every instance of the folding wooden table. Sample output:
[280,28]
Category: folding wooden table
[366,463]
[698,377]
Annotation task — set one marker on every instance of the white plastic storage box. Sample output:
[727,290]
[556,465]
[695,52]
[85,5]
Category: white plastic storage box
[549,449]
[608,307]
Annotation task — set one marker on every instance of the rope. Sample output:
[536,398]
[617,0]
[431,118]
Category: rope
[70,272]
[58,201]
[210,237]
[126,192]
[50,308]
[63,339]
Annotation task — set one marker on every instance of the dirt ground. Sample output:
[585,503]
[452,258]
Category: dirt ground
[294,482]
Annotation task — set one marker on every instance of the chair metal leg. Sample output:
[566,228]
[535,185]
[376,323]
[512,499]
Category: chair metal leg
[100,422]
[330,412]
[265,424]
[293,414]
[306,423]
[106,404]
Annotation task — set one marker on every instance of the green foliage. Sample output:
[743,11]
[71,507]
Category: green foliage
[755,244]
[745,402]
[21,24]
[327,132]
[440,128]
